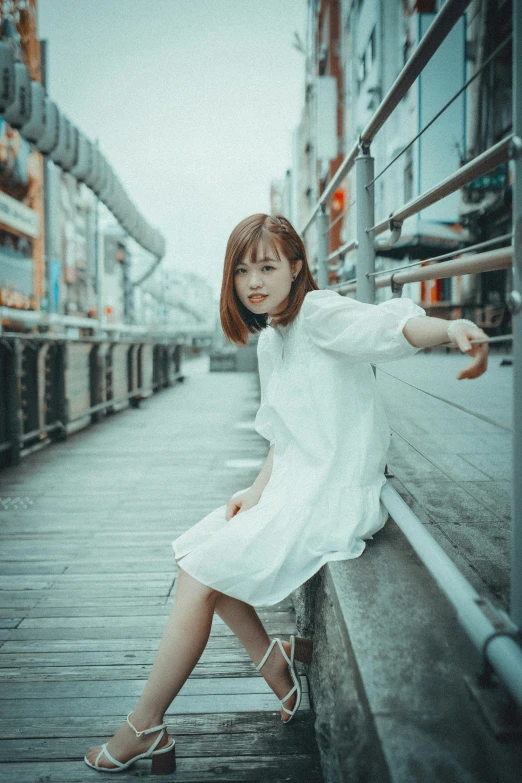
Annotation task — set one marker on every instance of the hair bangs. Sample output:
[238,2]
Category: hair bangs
[261,241]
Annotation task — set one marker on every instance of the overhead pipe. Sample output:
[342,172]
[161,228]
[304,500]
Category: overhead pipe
[19,110]
[83,160]
[49,139]
[34,127]
[7,78]
[57,153]
[25,105]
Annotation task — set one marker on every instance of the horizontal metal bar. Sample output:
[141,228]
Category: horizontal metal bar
[483,163]
[506,338]
[38,446]
[501,258]
[51,338]
[347,248]
[330,189]
[47,428]
[503,652]
[41,318]
[444,256]
[480,262]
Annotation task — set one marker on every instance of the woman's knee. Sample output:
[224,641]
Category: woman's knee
[203,590]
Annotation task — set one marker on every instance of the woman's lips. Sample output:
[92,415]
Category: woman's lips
[257,299]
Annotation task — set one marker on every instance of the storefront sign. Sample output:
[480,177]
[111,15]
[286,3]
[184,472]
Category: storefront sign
[14,214]
[12,298]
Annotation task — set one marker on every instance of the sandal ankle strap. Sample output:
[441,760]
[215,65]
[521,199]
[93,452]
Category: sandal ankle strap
[270,647]
[267,653]
[145,731]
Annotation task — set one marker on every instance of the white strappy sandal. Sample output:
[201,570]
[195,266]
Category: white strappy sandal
[163,760]
[301,650]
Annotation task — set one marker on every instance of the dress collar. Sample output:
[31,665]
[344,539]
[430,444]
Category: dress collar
[278,327]
[270,322]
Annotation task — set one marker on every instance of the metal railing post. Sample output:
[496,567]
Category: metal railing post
[516,312]
[322,248]
[365,203]
[15,421]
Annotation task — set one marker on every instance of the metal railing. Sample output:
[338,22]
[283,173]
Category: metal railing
[55,381]
[495,634]
[61,323]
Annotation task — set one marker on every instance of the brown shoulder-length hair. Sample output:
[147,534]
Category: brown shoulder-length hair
[275,233]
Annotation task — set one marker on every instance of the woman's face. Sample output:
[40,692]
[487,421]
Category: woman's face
[264,286]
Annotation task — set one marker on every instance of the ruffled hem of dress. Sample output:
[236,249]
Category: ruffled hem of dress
[290,565]
[274,597]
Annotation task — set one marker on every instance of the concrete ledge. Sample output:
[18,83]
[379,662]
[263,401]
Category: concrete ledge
[387,680]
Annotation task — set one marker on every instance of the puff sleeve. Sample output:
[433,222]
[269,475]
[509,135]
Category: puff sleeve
[361,331]
[263,423]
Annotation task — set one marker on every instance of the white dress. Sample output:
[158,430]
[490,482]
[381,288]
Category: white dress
[320,407]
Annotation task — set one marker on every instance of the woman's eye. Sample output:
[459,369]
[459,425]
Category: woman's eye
[242,269]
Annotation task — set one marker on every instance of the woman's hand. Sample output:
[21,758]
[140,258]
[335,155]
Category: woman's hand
[462,334]
[242,502]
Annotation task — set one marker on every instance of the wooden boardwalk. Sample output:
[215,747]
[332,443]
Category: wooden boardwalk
[87,580]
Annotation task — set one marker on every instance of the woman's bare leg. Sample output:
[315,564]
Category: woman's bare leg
[244,621]
[183,641]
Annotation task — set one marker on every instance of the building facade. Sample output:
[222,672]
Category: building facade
[355,49]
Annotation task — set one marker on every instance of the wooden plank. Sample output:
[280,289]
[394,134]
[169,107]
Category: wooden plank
[154,623]
[136,630]
[178,725]
[10,622]
[235,667]
[221,769]
[107,610]
[118,688]
[215,644]
[30,568]
[267,743]
[43,708]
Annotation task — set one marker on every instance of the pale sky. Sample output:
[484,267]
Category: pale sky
[194,103]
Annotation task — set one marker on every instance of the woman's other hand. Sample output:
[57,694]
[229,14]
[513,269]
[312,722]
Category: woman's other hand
[462,335]
[241,502]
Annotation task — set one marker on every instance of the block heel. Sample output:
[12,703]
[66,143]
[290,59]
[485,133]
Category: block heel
[303,649]
[164,761]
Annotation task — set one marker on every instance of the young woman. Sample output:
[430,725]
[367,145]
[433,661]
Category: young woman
[316,497]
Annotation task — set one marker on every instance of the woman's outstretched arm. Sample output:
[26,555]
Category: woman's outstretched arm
[425,332]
